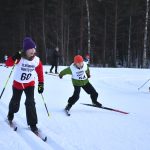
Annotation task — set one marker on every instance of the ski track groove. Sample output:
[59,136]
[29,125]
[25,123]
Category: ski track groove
[25,135]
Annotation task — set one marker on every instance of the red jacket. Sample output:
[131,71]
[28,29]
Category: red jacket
[39,70]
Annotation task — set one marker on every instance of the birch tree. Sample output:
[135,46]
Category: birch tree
[115,33]
[145,36]
[89,28]
[43,30]
[129,43]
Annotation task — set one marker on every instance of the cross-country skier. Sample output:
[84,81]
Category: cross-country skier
[27,63]
[54,61]
[80,73]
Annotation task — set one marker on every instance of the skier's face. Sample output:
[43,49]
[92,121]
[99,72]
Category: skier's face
[79,65]
[30,52]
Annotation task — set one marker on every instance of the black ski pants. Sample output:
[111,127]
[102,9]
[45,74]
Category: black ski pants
[54,65]
[88,88]
[29,104]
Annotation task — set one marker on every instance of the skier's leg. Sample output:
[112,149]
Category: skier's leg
[51,68]
[93,94]
[30,108]
[56,69]
[14,103]
[74,98]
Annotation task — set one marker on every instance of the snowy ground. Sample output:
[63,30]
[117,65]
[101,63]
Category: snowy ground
[87,128]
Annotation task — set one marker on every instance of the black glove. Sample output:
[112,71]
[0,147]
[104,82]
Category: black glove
[40,87]
[60,76]
[88,75]
[17,56]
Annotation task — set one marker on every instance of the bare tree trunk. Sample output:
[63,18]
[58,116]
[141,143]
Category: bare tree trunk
[65,40]
[67,44]
[105,32]
[57,26]
[115,38]
[145,36]
[81,27]
[43,31]
[22,22]
[62,30]
[89,28]
[129,43]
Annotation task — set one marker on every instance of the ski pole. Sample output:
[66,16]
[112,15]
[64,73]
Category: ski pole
[45,105]
[8,78]
[143,84]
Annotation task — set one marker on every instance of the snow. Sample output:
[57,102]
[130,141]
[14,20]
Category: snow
[87,128]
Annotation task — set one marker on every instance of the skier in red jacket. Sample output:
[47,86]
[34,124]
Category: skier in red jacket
[26,66]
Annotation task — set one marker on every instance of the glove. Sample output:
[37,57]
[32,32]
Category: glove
[17,56]
[60,76]
[40,87]
[88,75]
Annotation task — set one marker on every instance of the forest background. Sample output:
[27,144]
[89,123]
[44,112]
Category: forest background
[115,33]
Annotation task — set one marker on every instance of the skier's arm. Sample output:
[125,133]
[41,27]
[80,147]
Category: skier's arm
[65,72]
[39,71]
[13,60]
[10,62]
[88,72]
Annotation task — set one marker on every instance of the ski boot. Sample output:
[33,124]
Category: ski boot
[97,104]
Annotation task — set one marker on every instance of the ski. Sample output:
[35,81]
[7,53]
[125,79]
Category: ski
[107,108]
[53,74]
[12,125]
[41,136]
[67,112]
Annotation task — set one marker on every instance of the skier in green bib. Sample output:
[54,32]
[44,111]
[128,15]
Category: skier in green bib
[80,73]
